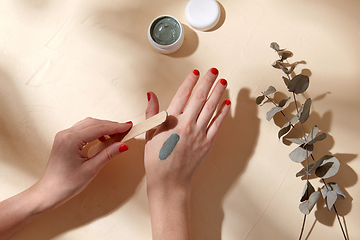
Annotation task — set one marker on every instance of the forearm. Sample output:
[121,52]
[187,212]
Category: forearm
[170,214]
[18,211]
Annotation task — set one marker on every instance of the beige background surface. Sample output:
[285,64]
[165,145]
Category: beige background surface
[62,61]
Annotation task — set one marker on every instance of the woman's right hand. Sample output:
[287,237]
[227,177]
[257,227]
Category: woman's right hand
[175,150]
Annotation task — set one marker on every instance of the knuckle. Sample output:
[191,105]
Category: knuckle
[210,106]
[108,154]
[89,119]
[184,92]
[217,123]
[200,95]
[63,137]
[186,130]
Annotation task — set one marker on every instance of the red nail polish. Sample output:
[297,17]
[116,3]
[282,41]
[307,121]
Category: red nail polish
[214,71]
[227,102]
[123,147]
[148,96]
[196,72]
[129,122]
[223,82]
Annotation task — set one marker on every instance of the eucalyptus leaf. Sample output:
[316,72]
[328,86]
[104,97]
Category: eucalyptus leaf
[292,67]
[275,46]
[328,168]
[332,186]
[260,99]
[285,55]
[298,84]
[276,64]
[321,137]
[272,112]
[286,81]
[308,205]
[270,90]
[319,162]
[283,68]
[299,154]
[298,141]
[283,102]
[285,129]
[331,199]
[308,190]
[324,190]
[294,120]
[306,111]
[312,134]
[287,126]
[303,171]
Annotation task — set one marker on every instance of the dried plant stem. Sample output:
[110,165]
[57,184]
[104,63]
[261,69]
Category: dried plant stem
[342,229]
[307,159]
[303,227]
[297,85]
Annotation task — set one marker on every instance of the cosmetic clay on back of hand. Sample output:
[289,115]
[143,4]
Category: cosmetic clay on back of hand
[168,146]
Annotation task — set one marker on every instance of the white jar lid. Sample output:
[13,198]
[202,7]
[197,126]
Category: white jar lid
[202,14]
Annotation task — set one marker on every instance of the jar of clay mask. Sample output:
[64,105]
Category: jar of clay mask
[166,34]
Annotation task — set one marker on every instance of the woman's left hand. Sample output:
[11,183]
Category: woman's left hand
[69,169]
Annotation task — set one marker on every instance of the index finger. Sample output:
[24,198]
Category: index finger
[102,128]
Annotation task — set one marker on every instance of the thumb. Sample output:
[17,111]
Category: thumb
[151,110]
[104,156]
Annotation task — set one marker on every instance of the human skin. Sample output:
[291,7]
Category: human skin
[67,173]
[169,180]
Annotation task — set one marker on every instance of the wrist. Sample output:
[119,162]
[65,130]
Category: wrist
[47,195]
[170,212]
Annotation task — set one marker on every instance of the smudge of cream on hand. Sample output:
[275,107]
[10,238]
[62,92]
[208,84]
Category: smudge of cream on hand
[168,146]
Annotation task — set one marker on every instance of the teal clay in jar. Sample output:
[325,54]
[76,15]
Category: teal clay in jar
[166,34]
[165,31]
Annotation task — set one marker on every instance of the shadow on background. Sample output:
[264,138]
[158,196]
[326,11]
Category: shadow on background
[222,18]
[18,132]
[227,160]
[110,189]
[191,42]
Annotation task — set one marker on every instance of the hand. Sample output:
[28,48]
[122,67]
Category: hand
[195,126]
[175,151]
[69,170]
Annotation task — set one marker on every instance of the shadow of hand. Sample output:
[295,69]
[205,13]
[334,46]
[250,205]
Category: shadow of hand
[109,190]
[227,160]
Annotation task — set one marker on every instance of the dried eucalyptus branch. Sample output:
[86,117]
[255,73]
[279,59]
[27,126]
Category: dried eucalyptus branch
[325,167]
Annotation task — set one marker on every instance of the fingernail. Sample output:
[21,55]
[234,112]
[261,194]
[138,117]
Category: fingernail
[123,147]
[227,102]
[223,82]
[129,122]
[196,72]
[102,139]
[214,71]
[148,96]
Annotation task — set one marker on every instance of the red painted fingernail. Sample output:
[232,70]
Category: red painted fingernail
[148,96]
[214,71]
[227,102]
[129,122]
[196,72]
[223,82]
[123,147]
[102,139]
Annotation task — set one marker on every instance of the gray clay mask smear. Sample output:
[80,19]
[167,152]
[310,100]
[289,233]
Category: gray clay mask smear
[168,146]
[165,31]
